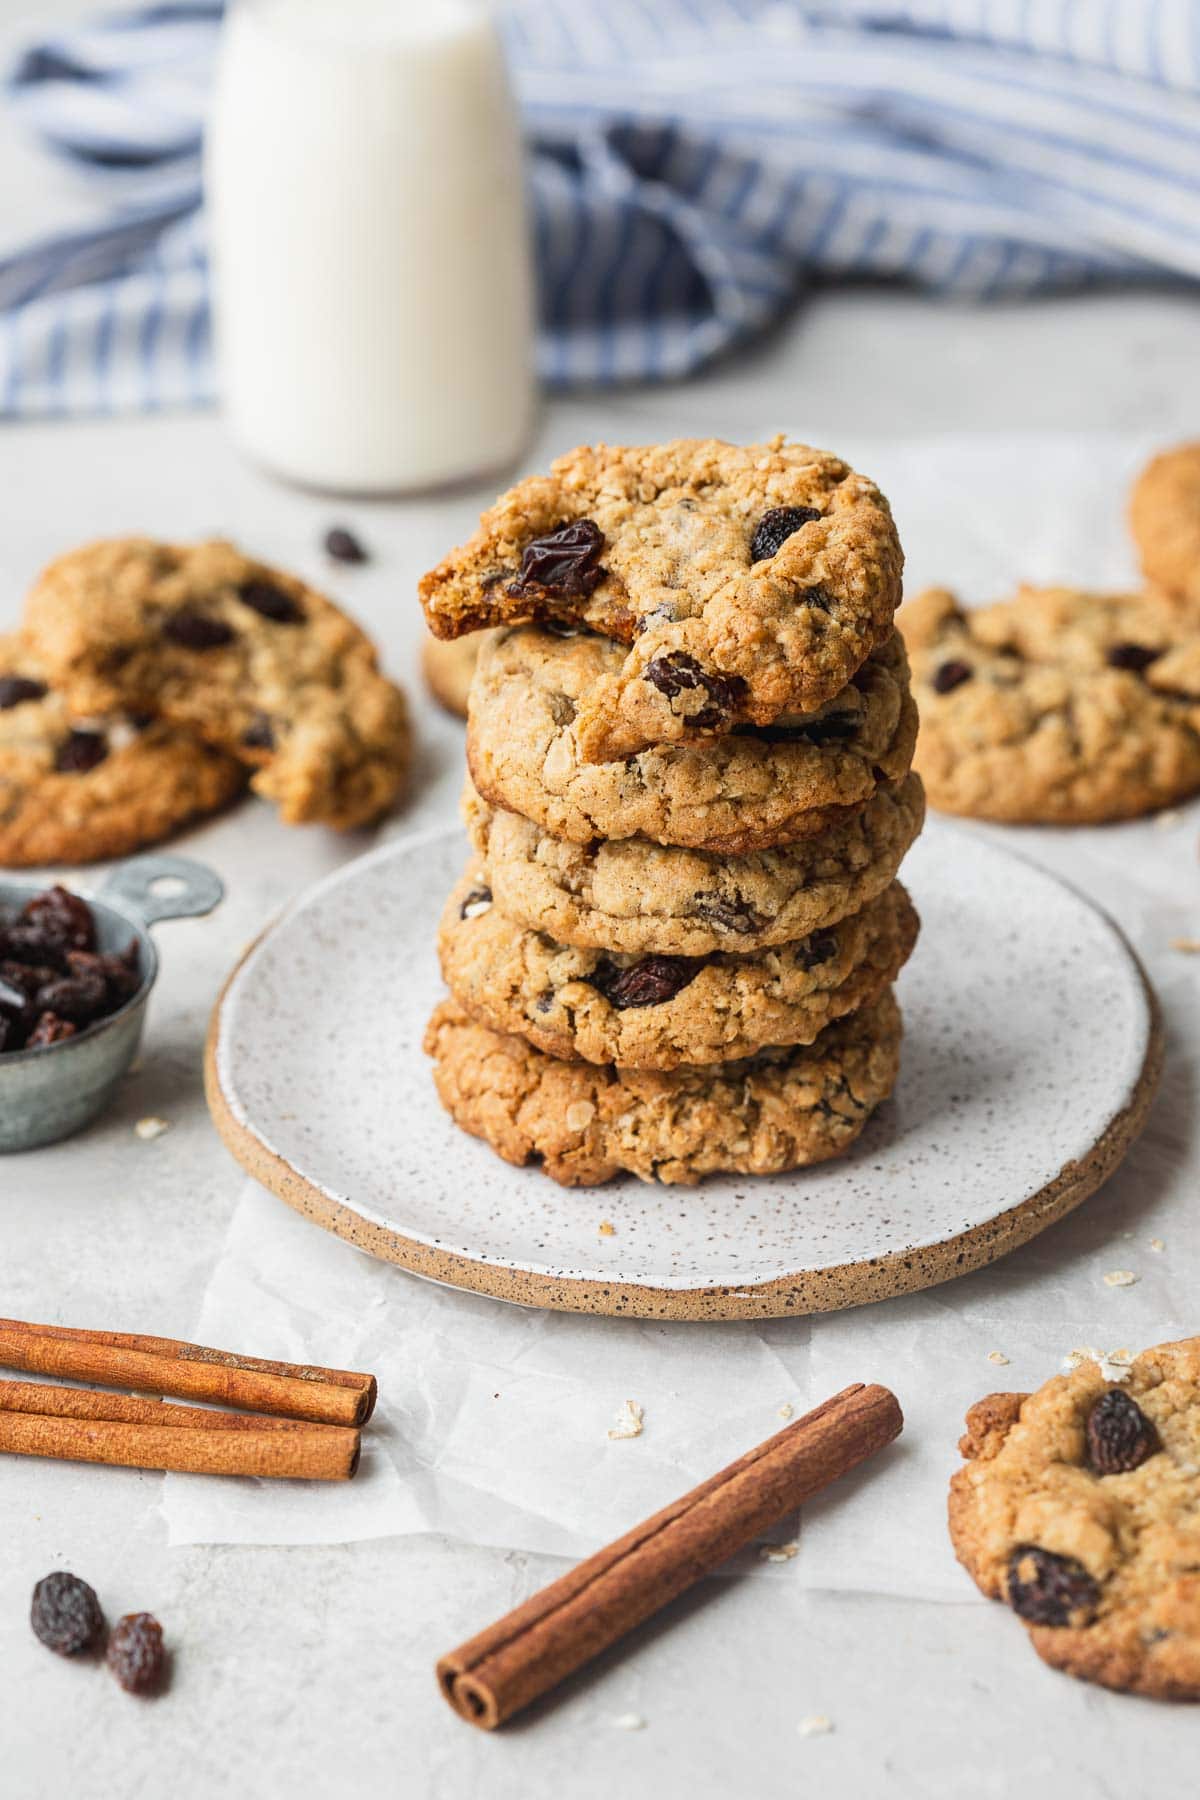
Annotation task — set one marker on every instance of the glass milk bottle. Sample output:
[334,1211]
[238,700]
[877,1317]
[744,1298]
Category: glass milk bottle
[372,286]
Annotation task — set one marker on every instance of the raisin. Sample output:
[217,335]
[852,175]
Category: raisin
[1048,1589]
[79,996]
[259,733]
[816,949]
[949,675]
[135,1653]
[727,915]
[833,728]
[646,983]
[1134,657]
[61,920]
[15,689]
[122,972]
[194,630]
[50,1028]
[65,1614]
[776,526]
[343,546]
[81,751]
[476,902]
[679,673]
[1119,1435]
[564,563]
[270,602]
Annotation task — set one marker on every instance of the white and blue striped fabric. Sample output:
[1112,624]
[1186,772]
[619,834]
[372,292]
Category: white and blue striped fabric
[694,164]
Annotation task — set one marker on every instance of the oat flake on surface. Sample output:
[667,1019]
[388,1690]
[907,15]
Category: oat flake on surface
[1113,1365]
[778,1553]
[815,1725]
[628,1423]
[786,1410]
[150,1128]
[629,1722]
[998,1357]
[1120,1278]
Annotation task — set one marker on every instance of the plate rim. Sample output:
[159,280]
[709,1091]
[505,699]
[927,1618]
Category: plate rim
[795,1294]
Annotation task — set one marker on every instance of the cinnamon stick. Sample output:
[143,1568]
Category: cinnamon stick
[495,1674]
[81,1425]
[157,1365]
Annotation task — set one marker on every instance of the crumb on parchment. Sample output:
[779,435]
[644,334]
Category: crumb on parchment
[628,1422]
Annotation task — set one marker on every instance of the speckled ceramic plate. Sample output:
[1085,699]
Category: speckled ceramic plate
[1031,1053]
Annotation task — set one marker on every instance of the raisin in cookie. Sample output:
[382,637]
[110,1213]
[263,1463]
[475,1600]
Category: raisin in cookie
[1055,707]
[1080,1506]
[250,658]
[655,1012]
[448,665]
[73,791]
[753,788]
[1164,516]
[778,1110]
[745,581]
[639,898]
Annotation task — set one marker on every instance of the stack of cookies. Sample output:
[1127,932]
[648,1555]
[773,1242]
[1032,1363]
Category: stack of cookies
[151,682]
[689,743]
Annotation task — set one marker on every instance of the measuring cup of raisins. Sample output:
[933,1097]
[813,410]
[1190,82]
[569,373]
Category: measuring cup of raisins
[75,975]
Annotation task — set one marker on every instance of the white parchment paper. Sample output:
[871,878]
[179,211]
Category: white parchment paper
[493,1421]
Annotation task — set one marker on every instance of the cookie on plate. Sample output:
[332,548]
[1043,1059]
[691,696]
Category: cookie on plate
[780,1109]
[1055,707]
[755,787]
[655,1012]
[1164,516]
[248,657]
[745,581]
[74,791]
[448,665]
[1079,1505]
[638,898]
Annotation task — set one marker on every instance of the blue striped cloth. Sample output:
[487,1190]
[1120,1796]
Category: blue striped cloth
[694,163]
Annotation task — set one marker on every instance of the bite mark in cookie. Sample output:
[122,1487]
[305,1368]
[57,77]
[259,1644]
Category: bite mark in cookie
[765,573]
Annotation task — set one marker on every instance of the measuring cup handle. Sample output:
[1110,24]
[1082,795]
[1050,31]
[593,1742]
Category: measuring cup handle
[188,889]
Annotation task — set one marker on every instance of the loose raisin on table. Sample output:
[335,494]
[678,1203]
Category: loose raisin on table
[135,1653]
[194,630]
[1119,1435]
[270,602]
[342,545]
[776,527]
[65,1614]
[564,563]
[647,983]
[1048,1589]
[16,689]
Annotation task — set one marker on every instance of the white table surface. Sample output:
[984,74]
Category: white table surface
[309,1671]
